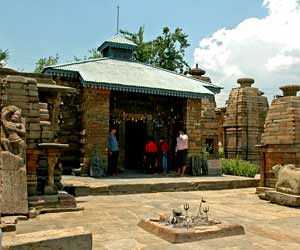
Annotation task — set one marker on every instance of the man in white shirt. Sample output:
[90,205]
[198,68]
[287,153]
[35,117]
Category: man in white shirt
[181,152]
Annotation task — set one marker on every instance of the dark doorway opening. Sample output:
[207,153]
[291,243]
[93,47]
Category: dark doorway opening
[135,141]
[209,143]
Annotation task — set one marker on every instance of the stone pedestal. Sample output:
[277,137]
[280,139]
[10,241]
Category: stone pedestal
[182,235]
[54,151]
[283,199]
[14,200]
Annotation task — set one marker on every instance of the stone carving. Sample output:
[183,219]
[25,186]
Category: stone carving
[288,179]
[13,131]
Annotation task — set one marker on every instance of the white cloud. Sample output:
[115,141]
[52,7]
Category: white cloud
[266,49]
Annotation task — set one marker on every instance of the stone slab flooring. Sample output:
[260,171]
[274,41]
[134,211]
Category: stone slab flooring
[141,183]
[113,220]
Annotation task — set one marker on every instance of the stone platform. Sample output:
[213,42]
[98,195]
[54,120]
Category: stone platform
[141,183]
[283,199]
[113,220]
[61,202]
[183,235]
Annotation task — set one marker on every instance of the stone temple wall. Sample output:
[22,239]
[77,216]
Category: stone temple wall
[23,93]
[201,125]
[95,108]
[244,122]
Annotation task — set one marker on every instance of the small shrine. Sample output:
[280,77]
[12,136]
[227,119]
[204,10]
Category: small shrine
[280,142]
[244,121]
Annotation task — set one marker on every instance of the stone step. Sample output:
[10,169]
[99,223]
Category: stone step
[82,188]
[63,239]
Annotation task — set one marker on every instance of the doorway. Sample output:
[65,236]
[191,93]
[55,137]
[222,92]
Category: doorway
[135,141]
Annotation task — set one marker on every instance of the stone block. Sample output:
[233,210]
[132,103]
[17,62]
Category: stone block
[63,239]
[34,126]
[16,79]
[214,167]
[14,200]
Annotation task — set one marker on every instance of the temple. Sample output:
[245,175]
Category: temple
[138,99]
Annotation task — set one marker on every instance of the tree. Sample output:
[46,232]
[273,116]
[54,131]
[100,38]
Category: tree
[168,50]
[143,52]
[165,51]
[44,62]
[93,54]
[4,55]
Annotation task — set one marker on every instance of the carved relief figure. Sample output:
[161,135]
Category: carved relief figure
[13,131]
[288,179]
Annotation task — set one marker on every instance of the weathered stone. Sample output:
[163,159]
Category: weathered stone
[63,239]
[214,167]
[283,199]
[288,179]
[16,79]
[14,184]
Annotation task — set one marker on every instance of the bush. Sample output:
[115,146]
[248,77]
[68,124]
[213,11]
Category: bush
[239,167]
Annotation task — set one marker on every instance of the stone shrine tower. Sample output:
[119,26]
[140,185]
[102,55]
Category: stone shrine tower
[244,121]
[281,137]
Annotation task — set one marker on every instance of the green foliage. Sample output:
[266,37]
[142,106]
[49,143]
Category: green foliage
[205,152]
[239,167]
[4,55]
[166,51]
[221,152]
[143,52]
[93,54]
[45,61]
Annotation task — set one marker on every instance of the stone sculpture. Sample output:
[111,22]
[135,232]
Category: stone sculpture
[287,192]
[13,131]
[288,179]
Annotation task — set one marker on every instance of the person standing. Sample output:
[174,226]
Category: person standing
[181,152]
[164,149]
[150,157]
[113,151]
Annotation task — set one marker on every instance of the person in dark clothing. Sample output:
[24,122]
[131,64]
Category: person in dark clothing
[150,157]
[113,151]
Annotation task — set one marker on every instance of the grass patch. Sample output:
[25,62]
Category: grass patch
[239,167]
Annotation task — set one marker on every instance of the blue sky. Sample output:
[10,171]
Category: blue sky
[31,29]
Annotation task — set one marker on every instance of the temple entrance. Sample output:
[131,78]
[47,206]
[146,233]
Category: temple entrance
[135,141]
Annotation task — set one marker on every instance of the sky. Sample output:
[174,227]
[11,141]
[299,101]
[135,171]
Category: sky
[264,48]
[228,38]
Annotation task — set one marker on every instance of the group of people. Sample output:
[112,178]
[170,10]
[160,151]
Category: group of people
[155,156]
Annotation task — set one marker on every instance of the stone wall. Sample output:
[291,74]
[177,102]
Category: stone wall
[95,110]
[23,93]
[201,125]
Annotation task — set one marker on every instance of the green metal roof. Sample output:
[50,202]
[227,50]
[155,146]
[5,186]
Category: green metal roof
[119,42]
[132,76]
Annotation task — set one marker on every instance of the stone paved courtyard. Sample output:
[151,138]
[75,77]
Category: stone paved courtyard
[113,220]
